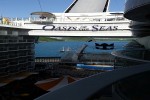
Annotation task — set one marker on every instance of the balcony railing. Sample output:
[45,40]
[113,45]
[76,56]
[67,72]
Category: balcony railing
[69,17]
[141,55]
[87,88]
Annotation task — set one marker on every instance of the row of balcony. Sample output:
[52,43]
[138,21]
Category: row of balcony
[5,49]
[20,53]
[6,64]
[2,41]
[15,68]
[5,58]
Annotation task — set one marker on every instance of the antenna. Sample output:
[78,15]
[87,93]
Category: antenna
[40,5]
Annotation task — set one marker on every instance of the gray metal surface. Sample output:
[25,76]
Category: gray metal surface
[87,6]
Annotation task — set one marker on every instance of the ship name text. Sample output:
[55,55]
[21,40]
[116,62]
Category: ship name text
[80,28]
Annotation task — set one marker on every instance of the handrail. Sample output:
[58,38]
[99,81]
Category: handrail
[121,54]
[71,17]
[85,88]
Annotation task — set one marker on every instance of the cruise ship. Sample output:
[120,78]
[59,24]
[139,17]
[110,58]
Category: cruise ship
[79,19]
[17,38]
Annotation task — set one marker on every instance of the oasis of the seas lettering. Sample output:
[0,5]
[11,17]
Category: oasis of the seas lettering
[104,28]
[59,28]
[80,28]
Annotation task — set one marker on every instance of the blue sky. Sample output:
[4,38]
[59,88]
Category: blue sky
[23,8]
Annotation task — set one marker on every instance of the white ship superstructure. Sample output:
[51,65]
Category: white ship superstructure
[75,24]
[81,18]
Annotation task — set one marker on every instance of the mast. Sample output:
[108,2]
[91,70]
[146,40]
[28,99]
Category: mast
[40,5]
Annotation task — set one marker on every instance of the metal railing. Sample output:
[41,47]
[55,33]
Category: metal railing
[65,17]
[134,55]
[85,88]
